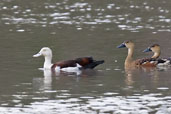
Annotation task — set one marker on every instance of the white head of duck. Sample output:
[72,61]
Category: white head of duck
[47,53]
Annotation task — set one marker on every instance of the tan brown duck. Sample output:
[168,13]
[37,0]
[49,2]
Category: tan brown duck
[130,62]
[155,48]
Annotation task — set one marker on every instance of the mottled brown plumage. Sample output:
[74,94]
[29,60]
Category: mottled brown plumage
[130,63]
[146,62]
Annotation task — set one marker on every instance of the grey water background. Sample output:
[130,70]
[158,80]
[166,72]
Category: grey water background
[75,28]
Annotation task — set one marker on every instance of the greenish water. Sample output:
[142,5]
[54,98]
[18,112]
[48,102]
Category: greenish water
[75,28]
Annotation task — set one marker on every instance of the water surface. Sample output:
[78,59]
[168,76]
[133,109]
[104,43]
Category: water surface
[75,28]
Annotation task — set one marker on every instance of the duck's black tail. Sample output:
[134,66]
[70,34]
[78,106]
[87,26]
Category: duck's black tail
[93,64]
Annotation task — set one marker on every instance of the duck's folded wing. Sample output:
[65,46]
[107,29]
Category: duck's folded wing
[64,64]
[88,62]
[147,62]
[83,61]
[164,61]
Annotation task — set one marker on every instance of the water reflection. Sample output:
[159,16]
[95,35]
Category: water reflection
[57,93]
[78,73]
[149,77]
[50,76]
[132,74]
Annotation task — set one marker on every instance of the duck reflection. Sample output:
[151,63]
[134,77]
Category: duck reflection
[149,75]
[51,77]
[80,73]
[44,83]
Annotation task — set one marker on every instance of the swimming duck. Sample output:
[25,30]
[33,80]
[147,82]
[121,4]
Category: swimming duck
[67,65]
[129,62]
[155,48]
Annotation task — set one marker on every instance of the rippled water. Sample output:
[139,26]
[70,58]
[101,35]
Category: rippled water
[74,28]
[124,15]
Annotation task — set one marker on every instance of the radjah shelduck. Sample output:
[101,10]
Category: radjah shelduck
[67,65]
[130,62]
[155,48]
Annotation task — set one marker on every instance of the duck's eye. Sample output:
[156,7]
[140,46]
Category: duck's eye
[44,50]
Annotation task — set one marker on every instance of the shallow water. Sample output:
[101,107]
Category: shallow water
[74,28]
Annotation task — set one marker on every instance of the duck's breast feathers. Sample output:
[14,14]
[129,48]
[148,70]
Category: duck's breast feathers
[64,64]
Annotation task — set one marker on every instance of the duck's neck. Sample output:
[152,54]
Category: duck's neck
[48,62]
[129,58]
[156,55]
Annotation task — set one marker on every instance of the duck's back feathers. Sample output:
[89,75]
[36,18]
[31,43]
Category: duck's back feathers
[88,62]
[153,62]
[64,64]
[146,62]
[164,62]
[84,62]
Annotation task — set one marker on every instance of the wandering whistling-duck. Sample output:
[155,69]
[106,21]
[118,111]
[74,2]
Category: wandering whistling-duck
[130,63]
[75,64]
[155,48]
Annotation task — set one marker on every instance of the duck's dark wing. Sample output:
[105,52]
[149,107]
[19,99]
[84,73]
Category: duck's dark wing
[88,62]
[84,62]
[64,64]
